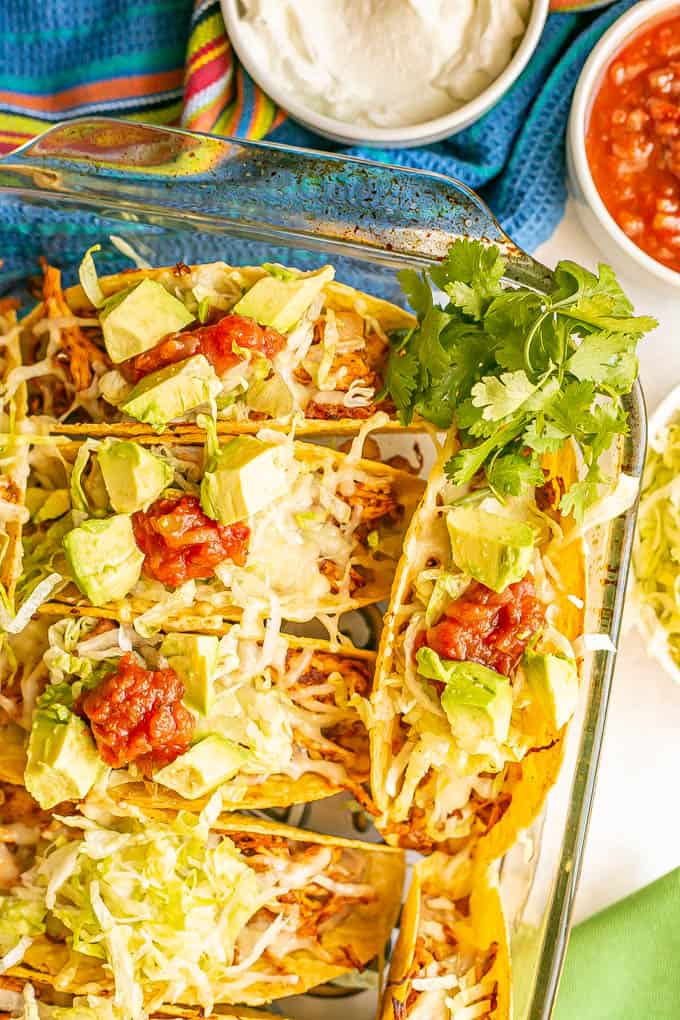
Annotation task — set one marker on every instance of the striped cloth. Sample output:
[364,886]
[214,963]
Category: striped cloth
[79,63]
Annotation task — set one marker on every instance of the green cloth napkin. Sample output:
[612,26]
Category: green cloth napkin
[624,963]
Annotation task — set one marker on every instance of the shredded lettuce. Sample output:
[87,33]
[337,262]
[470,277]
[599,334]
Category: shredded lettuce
[170,917]
[87,274]
[656,554]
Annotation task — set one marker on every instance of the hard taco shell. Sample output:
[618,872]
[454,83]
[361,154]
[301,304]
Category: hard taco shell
[366,927]
[527,782]
[338,296]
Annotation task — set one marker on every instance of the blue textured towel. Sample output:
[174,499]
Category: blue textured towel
[514,155]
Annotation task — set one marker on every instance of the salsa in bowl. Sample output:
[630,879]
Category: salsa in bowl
[624,142]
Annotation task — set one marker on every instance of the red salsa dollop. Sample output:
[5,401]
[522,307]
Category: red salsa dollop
[492,628]
[633,141]
[219,343]
[137,716]
[180,542]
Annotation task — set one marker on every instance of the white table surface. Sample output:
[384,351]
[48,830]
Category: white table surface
[634,832]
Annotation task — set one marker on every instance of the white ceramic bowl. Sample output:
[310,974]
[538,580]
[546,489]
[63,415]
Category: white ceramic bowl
[623,253]
[406,137]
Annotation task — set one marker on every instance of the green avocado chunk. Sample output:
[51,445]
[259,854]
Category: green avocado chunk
[162,396]
[134,477]
[146,314]
[282,303]
[553,682]
[63,763]
[477,700]
[104,559]
[203,767]
[244,476]
[194,658]
[495,550]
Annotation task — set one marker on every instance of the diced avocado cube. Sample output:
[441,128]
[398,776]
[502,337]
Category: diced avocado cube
[244,477]
[203,767]
[447,588]
[58,503]
[495,550]
[282,303]
[553,682]
[194,658]
[477,700]
[134,477]
[63,763]
[144,316]
[104,559]
[270,396]
[162,396]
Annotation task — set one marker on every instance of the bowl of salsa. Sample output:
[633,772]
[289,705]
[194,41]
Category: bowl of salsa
[623,143]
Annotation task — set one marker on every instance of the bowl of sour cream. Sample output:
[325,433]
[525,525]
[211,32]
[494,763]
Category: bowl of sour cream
[385,72]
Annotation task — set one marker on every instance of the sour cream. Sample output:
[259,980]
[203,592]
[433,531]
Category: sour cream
[384,63]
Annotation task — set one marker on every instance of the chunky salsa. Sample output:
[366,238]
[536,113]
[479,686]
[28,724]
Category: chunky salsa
[137,716]
[180,542]
[633,141]
[221,343]
[492,628]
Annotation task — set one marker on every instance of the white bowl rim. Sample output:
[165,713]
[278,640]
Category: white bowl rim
[391,137]
[603,53]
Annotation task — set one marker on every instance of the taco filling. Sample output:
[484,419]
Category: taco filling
[265,525]
[451,954]
[476,670]
[266,720]
[158,347]
[191,909]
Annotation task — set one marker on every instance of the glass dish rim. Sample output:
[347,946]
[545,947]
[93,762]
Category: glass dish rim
[555,931]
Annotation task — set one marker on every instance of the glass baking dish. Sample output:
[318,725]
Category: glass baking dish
[175,196]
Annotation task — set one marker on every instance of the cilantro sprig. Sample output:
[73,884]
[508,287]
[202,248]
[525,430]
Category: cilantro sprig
[519,373]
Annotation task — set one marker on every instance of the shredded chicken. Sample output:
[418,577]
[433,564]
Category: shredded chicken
[81,353]
[376,500]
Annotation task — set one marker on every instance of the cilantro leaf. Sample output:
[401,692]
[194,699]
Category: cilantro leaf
[512,474]
[467,462]
[433,357]
[598,301]
[503,395]
[582,494]
[437,404]
[543,436]
[508,320]
[401,381]
[571,405]
[607,358]
[471,275]
[417,290]
[466,298]
[469,355]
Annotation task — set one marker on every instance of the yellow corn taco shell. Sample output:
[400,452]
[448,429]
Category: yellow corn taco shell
[276,790]
[466,970]
[360,936]
[13,462]
[12,991]
[520,789]
[406,488]
[338,297]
